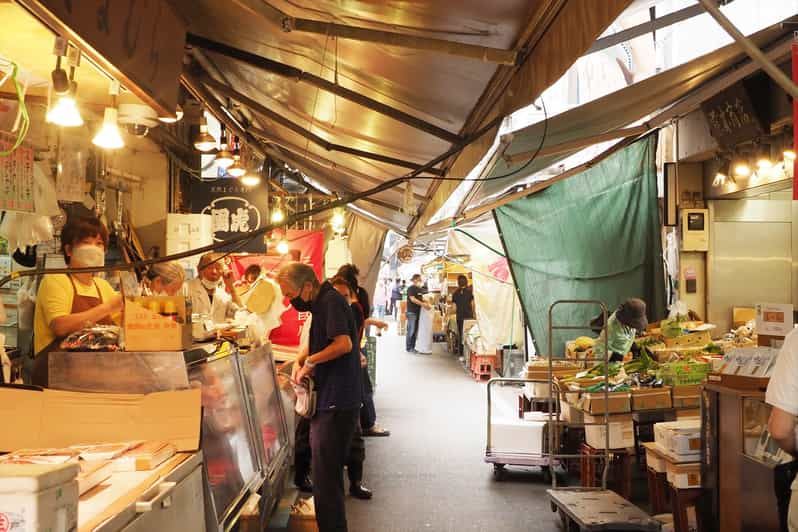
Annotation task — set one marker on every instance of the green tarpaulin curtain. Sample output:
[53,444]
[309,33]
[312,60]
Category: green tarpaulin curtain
[595,235]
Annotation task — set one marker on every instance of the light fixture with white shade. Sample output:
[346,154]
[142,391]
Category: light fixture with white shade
[250,180]
[64,113]
[236,169]
[171,120]
[109,136]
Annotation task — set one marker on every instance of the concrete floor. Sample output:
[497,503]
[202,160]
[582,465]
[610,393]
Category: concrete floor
[429,475]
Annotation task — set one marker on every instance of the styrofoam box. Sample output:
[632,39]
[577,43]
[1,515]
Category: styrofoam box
[655,461]
[185,226]
[517,436]
[684,476]
[537,390]
[622,432]
[682,438]
[38,497]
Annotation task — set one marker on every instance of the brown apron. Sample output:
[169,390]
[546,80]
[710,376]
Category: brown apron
[41,363]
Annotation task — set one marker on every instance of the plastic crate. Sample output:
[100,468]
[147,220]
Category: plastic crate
[683,374]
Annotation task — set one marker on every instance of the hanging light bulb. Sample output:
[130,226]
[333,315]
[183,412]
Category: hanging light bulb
[204,141]
[338,221]
[742,169]
[109,137]
[277,215]
[250,180]
[171,120]
[224,158]
[763,161]
[236,169]
[65,113]
[282,247]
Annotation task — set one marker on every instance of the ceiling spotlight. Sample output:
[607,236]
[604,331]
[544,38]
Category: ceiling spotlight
[171,120]
[338,220]
[250,180]
[741,169]
[277,215]
[236,169]
[764,163]
[720,179]
[789,155]
[60,79]
[109,137]
[282,247]
[64,113]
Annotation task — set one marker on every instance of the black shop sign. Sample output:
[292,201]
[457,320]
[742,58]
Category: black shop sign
[234,209]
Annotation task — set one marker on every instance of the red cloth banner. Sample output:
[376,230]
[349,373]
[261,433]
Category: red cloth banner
[310,248]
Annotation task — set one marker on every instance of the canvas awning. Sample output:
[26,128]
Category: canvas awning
[357,93]
[629,112]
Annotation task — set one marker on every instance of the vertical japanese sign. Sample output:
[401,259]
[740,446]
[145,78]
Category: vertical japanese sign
[234,209]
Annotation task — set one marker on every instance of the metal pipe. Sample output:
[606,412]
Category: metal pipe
[751,49]
[261,109]
[297,74]
[391,38]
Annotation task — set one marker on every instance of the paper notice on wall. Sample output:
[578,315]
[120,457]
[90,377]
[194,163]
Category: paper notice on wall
[16,176]
[774,319]
[70,177]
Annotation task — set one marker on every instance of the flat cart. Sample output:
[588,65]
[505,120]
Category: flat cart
[500,458]
[590,509]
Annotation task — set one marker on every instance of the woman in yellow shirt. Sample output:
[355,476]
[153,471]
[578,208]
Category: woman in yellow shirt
[68,303]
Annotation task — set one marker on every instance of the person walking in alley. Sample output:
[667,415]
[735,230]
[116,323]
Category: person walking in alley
[414,304]
[396,296]
[334,362]
[463,299]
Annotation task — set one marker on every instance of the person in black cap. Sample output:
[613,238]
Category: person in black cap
[622,327]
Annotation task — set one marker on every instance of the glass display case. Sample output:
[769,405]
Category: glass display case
[231,453]
[757,443]
[268,416]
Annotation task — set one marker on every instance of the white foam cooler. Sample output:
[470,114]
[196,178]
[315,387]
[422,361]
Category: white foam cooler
[37,497]
[517,436]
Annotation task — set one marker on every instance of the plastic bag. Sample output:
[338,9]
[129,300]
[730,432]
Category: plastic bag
[45,200]
[26,305]
[678,311]
[24,229]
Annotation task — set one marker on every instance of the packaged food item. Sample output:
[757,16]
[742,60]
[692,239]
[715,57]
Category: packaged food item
[145,456]
[104,451]
[97,338]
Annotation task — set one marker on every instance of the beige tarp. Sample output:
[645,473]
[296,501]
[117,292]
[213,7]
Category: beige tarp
[498,310]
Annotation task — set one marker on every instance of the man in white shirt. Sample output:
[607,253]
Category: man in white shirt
[212,292]
[782,394]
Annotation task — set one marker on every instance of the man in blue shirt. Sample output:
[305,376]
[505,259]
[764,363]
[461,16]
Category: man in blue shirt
[334,361]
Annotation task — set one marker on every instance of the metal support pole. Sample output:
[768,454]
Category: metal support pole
[751,49]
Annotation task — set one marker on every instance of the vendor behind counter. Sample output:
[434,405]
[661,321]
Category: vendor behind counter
[68,303]
[622,327]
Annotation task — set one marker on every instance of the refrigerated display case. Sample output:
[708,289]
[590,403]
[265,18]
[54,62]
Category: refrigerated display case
[232,467]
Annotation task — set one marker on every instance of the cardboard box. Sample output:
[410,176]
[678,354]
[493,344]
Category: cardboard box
[617,403]
[699,340]
[53,418]
[571,413]
[651,398]
[681,439]
[145,330]
[686,396]
[655,457]
[684,475]
[622,432]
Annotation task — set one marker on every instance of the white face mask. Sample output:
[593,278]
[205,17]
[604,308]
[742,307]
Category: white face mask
[209,285]
[88,256]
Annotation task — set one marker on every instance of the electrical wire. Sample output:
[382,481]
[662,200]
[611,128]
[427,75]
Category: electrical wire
[503,176]
[23,111]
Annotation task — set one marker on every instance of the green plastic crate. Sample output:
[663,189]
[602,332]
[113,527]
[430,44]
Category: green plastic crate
[683,374]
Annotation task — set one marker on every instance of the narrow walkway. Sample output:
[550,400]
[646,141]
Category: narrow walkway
[429,475]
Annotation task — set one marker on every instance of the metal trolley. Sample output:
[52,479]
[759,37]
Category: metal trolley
[503,458]
[589,509]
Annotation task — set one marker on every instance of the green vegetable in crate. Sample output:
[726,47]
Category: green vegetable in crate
[713,349]
[671,328]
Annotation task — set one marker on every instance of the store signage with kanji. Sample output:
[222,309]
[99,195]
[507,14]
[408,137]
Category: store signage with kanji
[234,209]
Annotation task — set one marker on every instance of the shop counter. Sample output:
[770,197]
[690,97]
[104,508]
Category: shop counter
[245,438]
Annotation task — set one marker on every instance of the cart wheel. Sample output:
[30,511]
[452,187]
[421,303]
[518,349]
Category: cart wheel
[546,474]
[499,472]
[554,509]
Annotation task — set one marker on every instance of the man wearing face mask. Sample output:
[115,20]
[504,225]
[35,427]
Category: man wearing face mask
[334,362]
[69,303]
[212,292]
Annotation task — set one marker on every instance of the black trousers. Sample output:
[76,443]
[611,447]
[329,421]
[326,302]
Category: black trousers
[303,455]
[368,412]
[331,436]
